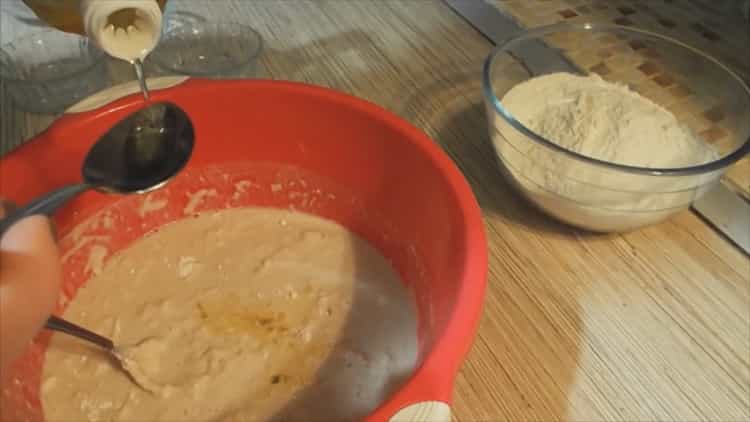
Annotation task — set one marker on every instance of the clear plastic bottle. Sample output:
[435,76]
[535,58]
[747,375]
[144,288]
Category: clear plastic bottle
[125,29]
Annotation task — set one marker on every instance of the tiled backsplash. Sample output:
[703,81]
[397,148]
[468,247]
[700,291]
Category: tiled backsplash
[700,24]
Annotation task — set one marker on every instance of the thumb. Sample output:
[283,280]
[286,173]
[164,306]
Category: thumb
[30,274]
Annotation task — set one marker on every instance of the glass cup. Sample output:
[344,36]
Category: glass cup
[50,70]
[215,50]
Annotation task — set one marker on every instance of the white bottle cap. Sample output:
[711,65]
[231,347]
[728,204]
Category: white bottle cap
[134,42]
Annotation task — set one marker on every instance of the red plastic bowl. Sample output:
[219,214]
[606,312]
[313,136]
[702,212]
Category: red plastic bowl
[371,171]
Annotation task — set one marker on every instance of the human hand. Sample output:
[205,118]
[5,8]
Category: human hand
[30,275]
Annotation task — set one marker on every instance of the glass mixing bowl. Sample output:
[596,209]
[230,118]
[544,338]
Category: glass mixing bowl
[50,70]
[704,95]
[205,49]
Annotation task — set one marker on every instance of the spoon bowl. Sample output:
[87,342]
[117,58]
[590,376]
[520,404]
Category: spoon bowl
[142,152]
[139,154]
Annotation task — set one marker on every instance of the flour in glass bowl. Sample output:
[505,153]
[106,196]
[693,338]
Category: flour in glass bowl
[605,121]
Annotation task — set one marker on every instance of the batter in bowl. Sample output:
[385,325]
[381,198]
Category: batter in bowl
[241,314]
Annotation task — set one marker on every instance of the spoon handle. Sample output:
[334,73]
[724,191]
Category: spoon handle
[63,326]
[46,204]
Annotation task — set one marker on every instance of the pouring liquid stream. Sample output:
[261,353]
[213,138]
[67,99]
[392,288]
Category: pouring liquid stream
[127,30]
[138,67]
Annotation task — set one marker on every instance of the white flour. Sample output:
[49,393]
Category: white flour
[608,122]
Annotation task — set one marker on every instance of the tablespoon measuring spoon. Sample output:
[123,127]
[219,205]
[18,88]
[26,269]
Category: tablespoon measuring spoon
[140,153]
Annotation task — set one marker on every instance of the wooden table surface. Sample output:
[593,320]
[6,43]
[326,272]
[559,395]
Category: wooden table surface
[650,325]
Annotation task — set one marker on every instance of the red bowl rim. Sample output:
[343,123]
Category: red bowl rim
[433,380]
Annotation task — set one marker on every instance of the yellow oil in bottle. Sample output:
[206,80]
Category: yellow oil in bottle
[65,15]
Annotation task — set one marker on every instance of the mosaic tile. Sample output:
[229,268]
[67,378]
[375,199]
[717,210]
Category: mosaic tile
[667,23]
[569,40]
[608,39]
[713,134]
[584,58]
[715,114]
[648,68]
[631,75]
[680,91]
[567,13]
[599,6]
[601,69]
[697,27]
[664,80]
[653,95]
[695,105]
[624,61]
[696,125]
[648,85]
[650,53]
[710,35]
[636,45]
[624,21]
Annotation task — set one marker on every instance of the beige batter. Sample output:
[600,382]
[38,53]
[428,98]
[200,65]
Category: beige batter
[237,315]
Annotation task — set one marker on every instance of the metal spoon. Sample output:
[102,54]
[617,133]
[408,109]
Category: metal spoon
[118,353]
[63,326]
[139,154]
